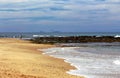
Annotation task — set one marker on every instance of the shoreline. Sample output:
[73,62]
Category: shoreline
[21,59]
[65,60]
[73,66]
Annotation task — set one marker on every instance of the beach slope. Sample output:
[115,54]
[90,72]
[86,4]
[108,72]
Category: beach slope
[21,59]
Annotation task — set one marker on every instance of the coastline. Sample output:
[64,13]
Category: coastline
[66,60]
[73,66]
[21,59]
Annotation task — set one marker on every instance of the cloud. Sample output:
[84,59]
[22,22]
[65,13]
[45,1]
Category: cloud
[12,1]
[60,12]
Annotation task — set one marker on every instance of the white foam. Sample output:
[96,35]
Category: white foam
[117,62]
[87,64]
[117,36]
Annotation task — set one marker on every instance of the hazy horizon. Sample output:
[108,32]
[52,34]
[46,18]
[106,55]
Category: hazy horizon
[54,32]
[59,15]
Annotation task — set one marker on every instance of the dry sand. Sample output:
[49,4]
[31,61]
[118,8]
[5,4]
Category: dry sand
[21,59]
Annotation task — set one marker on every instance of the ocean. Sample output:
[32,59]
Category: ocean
[30,34]
[92,60]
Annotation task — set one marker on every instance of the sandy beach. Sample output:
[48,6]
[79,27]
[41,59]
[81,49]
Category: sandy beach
[21,59]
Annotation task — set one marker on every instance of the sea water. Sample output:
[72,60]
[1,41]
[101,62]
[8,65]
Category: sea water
[30,34]
[92,60]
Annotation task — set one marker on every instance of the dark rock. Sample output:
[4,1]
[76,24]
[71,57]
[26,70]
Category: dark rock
[75,39]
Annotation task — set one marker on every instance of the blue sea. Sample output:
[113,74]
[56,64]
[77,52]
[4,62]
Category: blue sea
[30,34]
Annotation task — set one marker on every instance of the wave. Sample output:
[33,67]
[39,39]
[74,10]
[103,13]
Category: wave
[88,64]
[117,36]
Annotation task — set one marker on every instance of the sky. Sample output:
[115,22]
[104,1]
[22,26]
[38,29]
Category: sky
[60,15]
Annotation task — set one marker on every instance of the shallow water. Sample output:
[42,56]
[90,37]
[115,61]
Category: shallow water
[93,61]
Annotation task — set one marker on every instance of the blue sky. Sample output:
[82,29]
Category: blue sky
[60,15]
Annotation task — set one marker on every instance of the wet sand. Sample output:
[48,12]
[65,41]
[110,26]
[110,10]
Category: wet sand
[21,59]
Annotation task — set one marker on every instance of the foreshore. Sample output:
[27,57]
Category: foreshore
[22,59]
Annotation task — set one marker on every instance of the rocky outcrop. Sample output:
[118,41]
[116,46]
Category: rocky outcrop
[76,39]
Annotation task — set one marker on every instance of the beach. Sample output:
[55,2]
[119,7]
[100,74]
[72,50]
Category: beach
[22,59]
